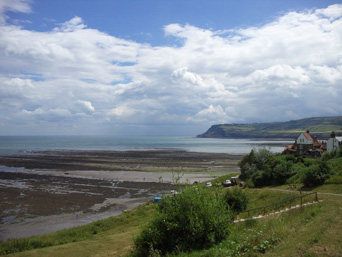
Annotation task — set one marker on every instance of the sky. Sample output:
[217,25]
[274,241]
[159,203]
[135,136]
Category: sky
[165,67]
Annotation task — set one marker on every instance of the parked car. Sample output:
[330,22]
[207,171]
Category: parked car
[174,192]
[208,184]
[234,181]
[227,183]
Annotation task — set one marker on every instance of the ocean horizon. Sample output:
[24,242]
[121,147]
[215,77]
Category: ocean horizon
[28,144]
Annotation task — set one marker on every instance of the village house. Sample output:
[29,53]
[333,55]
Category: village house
[306,145]
[334,141]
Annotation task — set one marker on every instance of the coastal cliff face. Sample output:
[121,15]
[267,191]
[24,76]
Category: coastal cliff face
[319,126]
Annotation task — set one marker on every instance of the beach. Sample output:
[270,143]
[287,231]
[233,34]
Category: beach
[45,191]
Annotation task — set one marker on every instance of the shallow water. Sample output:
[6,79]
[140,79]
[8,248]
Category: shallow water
[29,144]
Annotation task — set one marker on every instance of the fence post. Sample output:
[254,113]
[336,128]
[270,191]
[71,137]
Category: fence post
[316,197]
[264,211]
[301,202]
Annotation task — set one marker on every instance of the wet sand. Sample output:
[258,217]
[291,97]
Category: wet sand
[155,161]
[47,224]
[43,192]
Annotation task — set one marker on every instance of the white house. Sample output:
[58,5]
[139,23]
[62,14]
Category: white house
[304,142]
[334,142]
[304,139]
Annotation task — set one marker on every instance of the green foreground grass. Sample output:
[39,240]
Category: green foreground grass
[314,230]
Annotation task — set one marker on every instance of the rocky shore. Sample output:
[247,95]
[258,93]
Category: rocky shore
[46,191]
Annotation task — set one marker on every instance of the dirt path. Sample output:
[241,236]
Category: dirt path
[284,190]
[276,212]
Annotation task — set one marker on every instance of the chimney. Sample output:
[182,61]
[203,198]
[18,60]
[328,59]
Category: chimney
[308,131]
[332,135]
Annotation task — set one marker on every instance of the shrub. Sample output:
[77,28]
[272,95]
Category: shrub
[254,161]
[276,170]
[236,199]
[298,171]
[282,171]
[249,183]
[316,174]
[248,170]
[261,178]
[335,166]
[334,179]
[247,166]
[193,219]
[334,153]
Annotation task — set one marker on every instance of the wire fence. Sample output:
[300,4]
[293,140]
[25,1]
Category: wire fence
[276,207]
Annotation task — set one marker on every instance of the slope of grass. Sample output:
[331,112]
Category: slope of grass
[314,230]
[113,234]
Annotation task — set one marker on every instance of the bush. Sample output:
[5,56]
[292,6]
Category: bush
[236,199]
[334,179]
[249,183]
[298,171]
[334,153]
[335,166]
[282,171]
[193,219]
[315,175]
[276,170]
[254,161]
[260,178]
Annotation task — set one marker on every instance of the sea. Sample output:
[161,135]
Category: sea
[10,145]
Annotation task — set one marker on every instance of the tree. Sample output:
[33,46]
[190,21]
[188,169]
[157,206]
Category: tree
[316,174]
[236,199]
[282,171]
[194,219]
[254,161]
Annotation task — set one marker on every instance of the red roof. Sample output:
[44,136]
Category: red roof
[308,137]
[316,143]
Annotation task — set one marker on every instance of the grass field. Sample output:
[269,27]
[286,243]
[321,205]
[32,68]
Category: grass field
[314,230]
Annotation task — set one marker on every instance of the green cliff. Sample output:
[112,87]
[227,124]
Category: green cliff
[318,126]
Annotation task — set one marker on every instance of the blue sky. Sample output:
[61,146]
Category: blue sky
[165,67]
[143,21]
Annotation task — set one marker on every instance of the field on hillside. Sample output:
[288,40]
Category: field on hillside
[309,231]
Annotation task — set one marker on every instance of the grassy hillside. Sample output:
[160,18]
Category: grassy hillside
[319,126]
[311,231]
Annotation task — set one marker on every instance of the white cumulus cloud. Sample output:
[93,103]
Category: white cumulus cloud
[75,76]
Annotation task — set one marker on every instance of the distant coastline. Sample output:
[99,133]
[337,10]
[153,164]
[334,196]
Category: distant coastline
[318,126]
